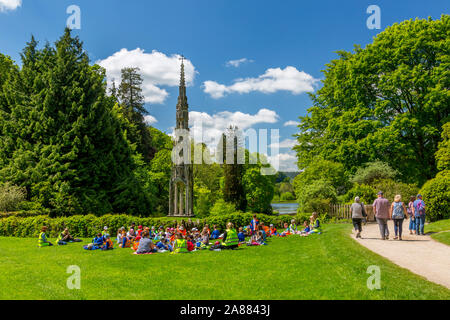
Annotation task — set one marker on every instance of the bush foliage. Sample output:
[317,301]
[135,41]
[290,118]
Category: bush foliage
[436,194]
[86,226]
[11,197]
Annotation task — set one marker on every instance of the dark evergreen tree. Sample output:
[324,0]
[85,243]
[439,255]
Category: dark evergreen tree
[132,102]
[233,191]
[61,138]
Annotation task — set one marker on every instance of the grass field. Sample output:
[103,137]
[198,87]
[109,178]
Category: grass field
[441,231]
[327,266]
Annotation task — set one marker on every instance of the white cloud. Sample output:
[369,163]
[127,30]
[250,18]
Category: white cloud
[148,119]
[156,68]
[238,62]
[291,123]
[209,128]
[273,80]
[287,162]
[9,5]
[285,144]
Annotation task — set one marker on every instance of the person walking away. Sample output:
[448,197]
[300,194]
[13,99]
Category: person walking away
[397,213]
[381,210]
[410,211]
[357,216]
[419,215]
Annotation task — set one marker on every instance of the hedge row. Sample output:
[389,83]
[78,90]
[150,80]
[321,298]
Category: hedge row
[88,225]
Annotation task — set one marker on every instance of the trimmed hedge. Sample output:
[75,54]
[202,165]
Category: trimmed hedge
[88,225]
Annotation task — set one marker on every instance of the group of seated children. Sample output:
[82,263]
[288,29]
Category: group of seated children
[101,241]
[146,240]
[64,237]
[180,240]
[313,226]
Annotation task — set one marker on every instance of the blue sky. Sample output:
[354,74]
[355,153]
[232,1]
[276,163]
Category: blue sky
[283,46]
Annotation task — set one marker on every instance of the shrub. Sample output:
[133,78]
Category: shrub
[372,171]
[391,188]
[11,196]
[287,196]
[366,193]
[436,195]
[222,208]
[87,226]
[316,196]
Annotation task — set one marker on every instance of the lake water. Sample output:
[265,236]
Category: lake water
[285,207]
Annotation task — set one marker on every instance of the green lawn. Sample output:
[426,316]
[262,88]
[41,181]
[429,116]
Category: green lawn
[441,230]
[327,266]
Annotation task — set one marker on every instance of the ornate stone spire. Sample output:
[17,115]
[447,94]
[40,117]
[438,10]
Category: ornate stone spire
[182,105]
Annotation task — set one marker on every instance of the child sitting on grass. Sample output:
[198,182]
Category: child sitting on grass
[190,243]
[105,231]
[216,233]
[315,224]
[306,229]
[163,246]
[273,231]
[108,244]
[293,227]
[145,244]
[241,235]
[180,244]
[286,231]
[97,243]
[42,241]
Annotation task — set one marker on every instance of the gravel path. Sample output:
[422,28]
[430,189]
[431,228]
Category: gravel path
[419,254]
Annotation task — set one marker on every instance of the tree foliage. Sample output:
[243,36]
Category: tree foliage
[443,153]
[387,101]
[11,197]
[59,135]
[436,194]
[132,103]
[373,171]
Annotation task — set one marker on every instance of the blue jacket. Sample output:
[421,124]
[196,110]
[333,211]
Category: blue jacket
[98,241]
[215,234]
[241,237]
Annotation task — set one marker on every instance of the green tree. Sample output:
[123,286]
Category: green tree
[373,171]
[233,190]
[443,153]
[132,102]
[387,101]
[259,190]
[61,138]
[332,172]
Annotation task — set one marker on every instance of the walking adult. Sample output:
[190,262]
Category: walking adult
[381,210]
[358,211]
[419,214]
[397,213]
[410,211]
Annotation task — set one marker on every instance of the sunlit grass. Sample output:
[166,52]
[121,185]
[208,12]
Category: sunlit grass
[326,266]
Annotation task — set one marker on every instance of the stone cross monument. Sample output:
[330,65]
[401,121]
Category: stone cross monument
[181,194]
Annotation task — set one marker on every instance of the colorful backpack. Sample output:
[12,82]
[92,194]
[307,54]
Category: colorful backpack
[398,213]
[421,208]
